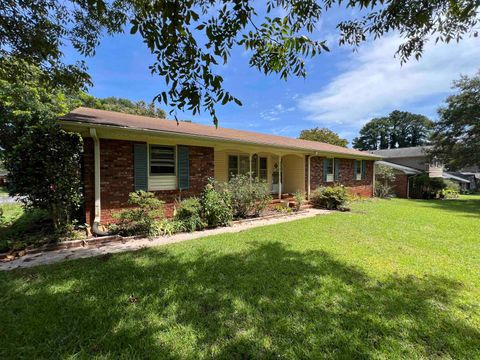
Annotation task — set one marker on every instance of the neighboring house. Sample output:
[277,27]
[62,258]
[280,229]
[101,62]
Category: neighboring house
[410,161]
[124,153]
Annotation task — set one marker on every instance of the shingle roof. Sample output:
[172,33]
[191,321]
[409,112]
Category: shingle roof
[112,118]
[405,169]
[414,151]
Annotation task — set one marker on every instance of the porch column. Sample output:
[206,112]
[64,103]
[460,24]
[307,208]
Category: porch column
[308,177]
[280,177]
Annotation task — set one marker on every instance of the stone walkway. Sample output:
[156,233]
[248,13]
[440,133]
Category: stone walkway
[50,257]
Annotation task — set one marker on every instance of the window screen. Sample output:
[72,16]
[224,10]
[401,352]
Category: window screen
[162,160]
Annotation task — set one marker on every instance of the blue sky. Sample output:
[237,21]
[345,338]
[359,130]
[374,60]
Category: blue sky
[342,91]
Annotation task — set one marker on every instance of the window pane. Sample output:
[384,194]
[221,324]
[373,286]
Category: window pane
[330,166]
[255,166]
[263,168]
[162,160]
[244,165]
[232,166]
[359,167]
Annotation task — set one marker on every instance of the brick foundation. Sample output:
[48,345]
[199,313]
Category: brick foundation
[361,188]
[117,181]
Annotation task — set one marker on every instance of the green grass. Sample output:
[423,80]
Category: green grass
[21,228]
[392,279]
[3,191]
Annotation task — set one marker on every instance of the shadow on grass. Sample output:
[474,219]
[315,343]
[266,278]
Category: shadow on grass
[265,302]
[31,227]
[469,206]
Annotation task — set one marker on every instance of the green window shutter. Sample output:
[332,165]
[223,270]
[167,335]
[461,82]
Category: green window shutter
[355,168]
[325,169]
[364,169]
[336,170]
[140,167]
[183,168]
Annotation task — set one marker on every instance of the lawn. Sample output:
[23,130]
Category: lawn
[21,228]
[391,279]
[3,191]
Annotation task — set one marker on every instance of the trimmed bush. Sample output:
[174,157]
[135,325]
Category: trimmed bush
[216,206]
[142,218]
[249,197]
[189,215]
[331,198]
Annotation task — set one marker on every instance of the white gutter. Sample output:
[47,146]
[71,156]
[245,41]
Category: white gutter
[365,156]
[98,206]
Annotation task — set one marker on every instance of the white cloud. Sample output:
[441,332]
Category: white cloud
[274,113]
[373,82]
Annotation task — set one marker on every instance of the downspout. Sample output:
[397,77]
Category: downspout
[408,187]
[373,183]
[98,208]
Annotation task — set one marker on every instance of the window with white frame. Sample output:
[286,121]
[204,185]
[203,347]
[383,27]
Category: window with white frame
[329,170]
[358,169]
[162,160]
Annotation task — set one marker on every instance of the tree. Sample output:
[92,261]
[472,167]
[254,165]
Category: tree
[191,38]
[122,105]
[384,180]
[398,129]
[323,135]
[456,136]
[42,160]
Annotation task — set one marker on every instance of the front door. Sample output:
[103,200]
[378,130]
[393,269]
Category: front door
[275,177]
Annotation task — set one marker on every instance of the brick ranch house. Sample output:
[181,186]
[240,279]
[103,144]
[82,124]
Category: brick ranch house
[125,153]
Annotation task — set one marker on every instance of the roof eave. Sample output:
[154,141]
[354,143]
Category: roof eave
[196,136]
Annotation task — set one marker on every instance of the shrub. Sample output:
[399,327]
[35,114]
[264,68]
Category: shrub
[448,194]
[189,215]
[426,187]
[384,178]
[283,209]
[43,169]
[299,198]
[142,218]
[331,198]
[248,196]
[165,227]
[216,206]
[452,185]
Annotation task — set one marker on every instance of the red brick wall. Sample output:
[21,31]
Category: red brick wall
[116,177]
[401,184]
[361,188]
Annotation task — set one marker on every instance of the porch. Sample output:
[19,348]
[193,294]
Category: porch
[283,172]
